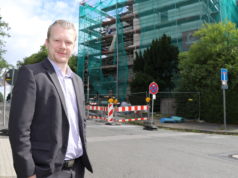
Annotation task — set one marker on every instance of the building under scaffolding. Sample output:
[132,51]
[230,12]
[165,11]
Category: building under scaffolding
[111,31]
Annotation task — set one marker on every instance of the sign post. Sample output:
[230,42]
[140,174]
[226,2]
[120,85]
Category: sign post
[153,89]
[224,86]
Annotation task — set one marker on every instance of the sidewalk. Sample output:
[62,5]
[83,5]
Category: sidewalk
[199,126]
[6,163]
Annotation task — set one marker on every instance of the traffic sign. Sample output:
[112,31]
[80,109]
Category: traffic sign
[153,88]
[224,74]
[10,76]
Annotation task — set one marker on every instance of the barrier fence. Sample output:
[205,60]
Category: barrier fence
[166,104]
[112,113]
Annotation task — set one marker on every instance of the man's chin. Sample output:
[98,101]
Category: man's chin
[61,60]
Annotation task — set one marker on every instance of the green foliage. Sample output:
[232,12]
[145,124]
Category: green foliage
[3,63]
[41,55]
[157,63]
[1,97]
[200,69]
[3,34]
[34,58]
[73,63]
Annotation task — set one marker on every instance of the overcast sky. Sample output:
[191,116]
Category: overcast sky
[29,21]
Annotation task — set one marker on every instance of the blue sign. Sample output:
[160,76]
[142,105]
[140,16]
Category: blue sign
[224,74]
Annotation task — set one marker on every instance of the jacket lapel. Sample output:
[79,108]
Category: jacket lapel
[79,98]
[53,76]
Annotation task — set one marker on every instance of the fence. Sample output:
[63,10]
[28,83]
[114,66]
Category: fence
[182,104]
[113,113]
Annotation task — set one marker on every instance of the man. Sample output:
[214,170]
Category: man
[47,116]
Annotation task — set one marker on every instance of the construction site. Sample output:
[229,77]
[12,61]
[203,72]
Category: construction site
[112,31]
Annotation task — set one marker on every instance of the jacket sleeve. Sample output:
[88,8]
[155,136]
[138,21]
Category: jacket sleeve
[20,119]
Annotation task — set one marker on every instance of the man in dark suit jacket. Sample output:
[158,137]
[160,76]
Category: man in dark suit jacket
[47,116]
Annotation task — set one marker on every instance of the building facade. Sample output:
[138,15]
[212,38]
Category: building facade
[112,31]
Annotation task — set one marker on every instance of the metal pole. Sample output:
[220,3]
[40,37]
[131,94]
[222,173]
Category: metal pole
[148,112]
[224,107]
[152,112]
[88,90]
[199,107]
[13,73]
[88,97]
[117,83]
[4,101]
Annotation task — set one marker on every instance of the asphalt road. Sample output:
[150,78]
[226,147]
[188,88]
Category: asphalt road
[127,151]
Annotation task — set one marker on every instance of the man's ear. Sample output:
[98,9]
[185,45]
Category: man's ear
[46,43]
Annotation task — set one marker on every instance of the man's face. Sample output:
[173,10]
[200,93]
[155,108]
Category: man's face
[60,44]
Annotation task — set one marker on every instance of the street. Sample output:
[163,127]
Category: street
[127,151]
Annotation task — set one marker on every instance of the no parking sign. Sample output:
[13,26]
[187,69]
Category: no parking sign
[153,88]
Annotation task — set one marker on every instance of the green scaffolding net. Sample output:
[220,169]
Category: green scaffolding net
[103,62]
[179,19]
[229,10]
[112,31]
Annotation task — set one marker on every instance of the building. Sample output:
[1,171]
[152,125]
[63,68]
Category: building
[112,31]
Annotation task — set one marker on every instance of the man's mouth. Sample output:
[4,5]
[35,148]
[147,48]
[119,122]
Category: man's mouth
[61,53]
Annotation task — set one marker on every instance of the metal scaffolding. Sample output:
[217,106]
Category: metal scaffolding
[112,31]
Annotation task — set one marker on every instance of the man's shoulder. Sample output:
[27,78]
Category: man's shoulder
[36,67]
[77,76]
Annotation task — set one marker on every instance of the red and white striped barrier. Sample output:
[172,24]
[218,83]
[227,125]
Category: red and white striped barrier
[110,111]
[131,120]
[96,108]
[132,108]
[98,117]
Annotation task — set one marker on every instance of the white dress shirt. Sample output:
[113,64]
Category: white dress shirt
[74,149]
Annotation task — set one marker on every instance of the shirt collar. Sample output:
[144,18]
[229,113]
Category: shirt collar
[58,71]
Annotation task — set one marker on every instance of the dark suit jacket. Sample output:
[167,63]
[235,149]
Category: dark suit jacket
[38,124]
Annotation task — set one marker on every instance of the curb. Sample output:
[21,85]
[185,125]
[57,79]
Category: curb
[200,130]
[3,132]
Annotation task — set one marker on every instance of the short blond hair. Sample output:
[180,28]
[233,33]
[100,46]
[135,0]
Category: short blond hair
[63,23]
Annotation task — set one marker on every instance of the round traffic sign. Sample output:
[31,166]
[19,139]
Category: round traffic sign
[153,88]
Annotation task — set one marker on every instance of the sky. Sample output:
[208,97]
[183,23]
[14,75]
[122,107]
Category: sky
[29,21]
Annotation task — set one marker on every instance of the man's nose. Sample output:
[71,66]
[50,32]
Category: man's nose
[62,45]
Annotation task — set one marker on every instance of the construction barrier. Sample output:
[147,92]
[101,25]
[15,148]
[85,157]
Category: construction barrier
[110,113]
[97,115]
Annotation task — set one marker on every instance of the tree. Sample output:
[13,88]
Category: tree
[41,55]
[3,33]
[158,63]
[34,58]
[73,63]
[1,97]
[200,69]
